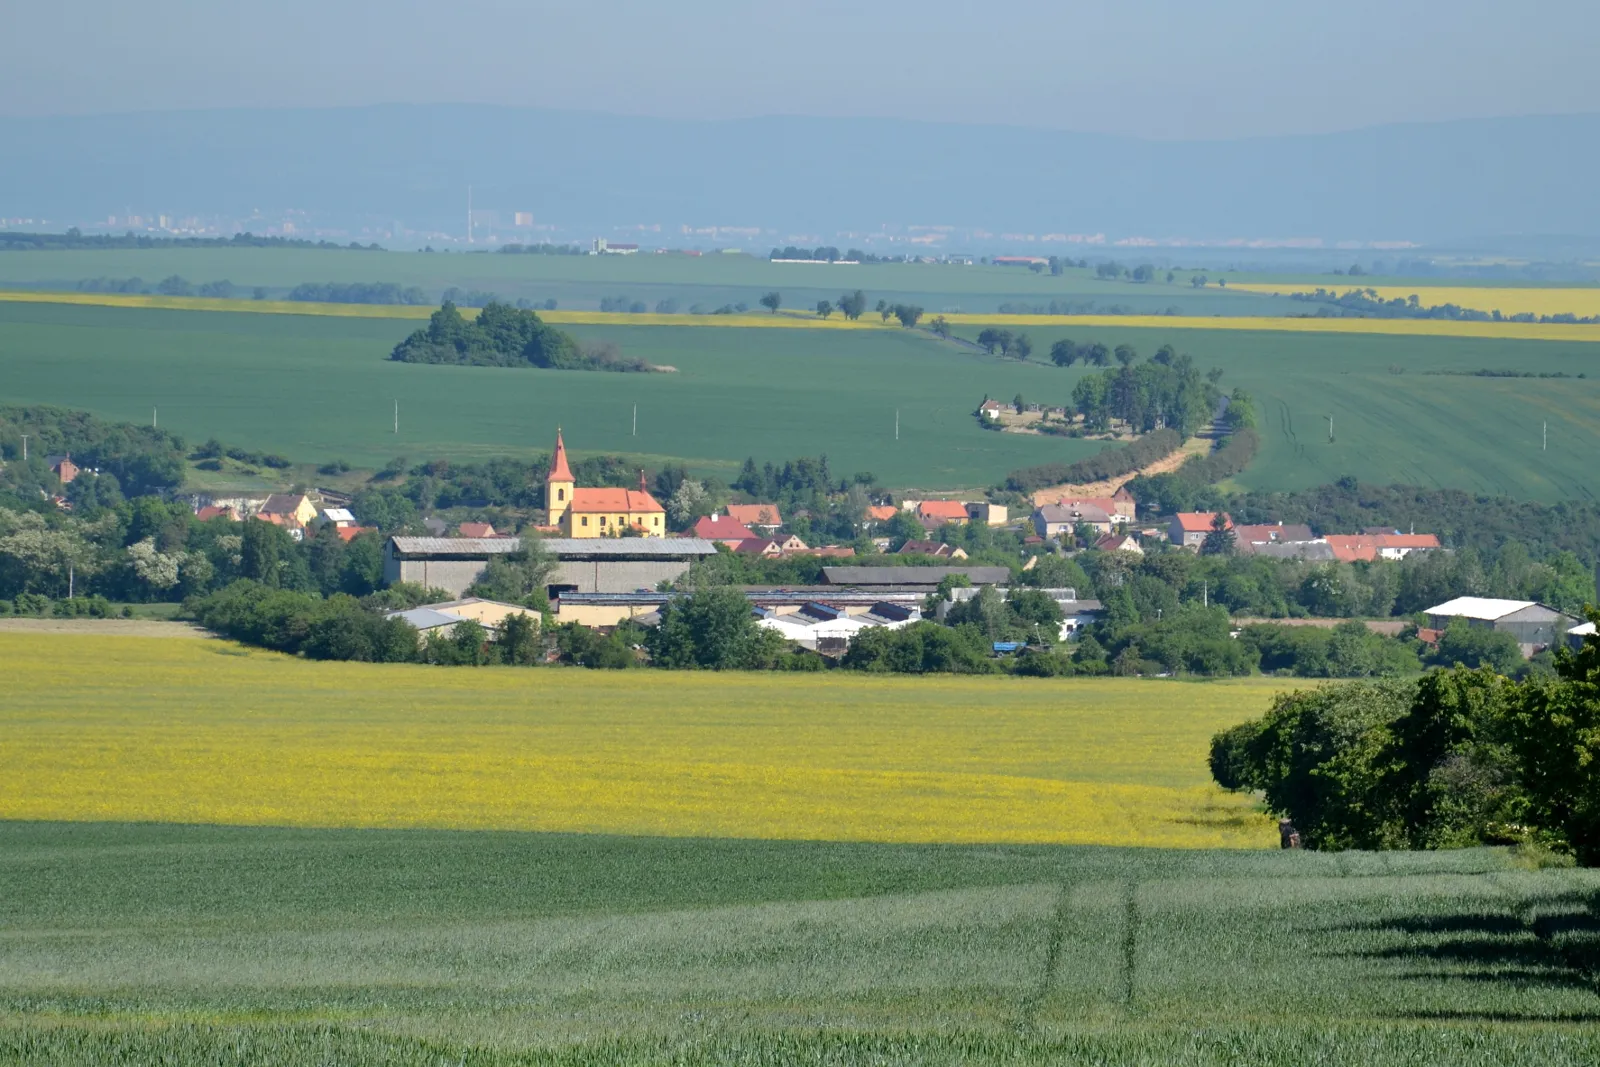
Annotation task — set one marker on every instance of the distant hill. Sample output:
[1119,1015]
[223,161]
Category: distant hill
[1431,182]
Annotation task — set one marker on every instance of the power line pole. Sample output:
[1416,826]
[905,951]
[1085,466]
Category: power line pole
[397,415]
[25,447]
[636,420]
[897,424]
[1330,426]
[1546,446]
[154,423]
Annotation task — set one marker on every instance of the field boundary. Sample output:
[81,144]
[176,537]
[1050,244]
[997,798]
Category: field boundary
[793,319]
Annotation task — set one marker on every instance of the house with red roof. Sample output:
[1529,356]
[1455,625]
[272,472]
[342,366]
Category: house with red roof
[1354,548]
[936,513]
[763,517]
[478,529]
[721,528]
[217,511]
[1188,529]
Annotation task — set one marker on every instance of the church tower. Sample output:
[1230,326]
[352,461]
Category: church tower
[558,484]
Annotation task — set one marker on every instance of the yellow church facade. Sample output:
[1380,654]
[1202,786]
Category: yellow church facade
[599,512]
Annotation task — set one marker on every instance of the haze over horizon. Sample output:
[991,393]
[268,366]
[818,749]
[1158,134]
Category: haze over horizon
[1166,70]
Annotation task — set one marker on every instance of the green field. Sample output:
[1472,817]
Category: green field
[174,944]
[316,388]
[1393,421]
[319,388]
[582,281]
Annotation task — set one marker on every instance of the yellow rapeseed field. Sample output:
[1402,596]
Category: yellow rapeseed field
[791,319]
[127,728]
[1582,302]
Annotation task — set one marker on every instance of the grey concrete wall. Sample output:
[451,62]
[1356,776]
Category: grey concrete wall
[451,575]
[616,576]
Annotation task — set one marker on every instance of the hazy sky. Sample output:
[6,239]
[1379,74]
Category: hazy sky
[1156,68]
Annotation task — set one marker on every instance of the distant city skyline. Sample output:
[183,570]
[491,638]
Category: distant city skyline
[1164,69]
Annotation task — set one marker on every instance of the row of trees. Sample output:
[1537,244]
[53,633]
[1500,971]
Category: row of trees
[1462,757]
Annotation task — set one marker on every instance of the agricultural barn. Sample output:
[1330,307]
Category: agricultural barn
[1533,625]
[608,609]
[925,578]
[583,564]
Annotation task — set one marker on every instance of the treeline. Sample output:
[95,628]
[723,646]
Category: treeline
[1189,488]
[1079,307]
[541,250]
[12,241]
[172,285]
[823,252]
[358,293]
[506,336]
[1108,463]
[140,460]
[1365,303]
[1460,758]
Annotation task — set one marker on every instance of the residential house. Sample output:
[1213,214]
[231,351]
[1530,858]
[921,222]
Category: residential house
[1052,520]
[763,517]
[217,511]
[63,467]
[881,513]
[936,513]
[1534,625]
[350,533]
[606,512]
[293,511]
[337,517]
[477,529]
[760,546]
[991,409]
[1189,528]
[1120,512]
[931,548]
[1119,542]
[987,513]
[1350,548]
[1271,533]
[723,529]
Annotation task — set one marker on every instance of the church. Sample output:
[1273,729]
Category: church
[599,512]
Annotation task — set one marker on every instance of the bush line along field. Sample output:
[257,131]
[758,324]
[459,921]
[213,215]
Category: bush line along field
[1508,300]
[830,757]
[799,318]
[147,943]
[320,388]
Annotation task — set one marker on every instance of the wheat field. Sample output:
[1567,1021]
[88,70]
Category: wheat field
[199,731]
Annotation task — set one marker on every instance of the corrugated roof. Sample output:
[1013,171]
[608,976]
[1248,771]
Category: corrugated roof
[425,618]
[919,576]
[1479,607]
[556,546]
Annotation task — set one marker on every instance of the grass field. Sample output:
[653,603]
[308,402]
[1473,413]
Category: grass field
[178,944]
[206,731]
[1393,420]
[316,389]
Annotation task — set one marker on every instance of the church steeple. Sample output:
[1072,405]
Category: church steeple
[558,484]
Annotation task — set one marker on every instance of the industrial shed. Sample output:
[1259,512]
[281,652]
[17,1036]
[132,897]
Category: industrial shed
[1534,625]
[583,565]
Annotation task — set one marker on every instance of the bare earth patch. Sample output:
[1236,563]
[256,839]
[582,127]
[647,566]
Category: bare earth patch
[105,627]
[1194,446]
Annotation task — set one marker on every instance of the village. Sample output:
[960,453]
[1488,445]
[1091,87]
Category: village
[615,559]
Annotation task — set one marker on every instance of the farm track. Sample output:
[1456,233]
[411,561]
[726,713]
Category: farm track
[1194,446]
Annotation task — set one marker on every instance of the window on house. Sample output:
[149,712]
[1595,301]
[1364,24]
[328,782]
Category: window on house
[602,520]
[586,520]
[561,494]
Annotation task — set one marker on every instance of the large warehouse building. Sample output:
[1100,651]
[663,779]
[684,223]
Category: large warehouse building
[583,564]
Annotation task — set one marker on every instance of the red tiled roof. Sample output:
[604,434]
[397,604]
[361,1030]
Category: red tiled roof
[350,533]
[755,514]
[214,511]
[942,509]
[722,528]
[631,501]
[1408,541]
[477,529]
[1348,548]
[882,512]
[1199,521]
[559,471]
[757,546]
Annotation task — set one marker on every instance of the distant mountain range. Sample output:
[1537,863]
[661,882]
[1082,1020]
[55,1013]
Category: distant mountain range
[1425,182]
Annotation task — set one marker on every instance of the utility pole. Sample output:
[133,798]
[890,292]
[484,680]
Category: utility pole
[25,447]
[1546,446]
[397,415]
[71,576]
[897,424]
[636,420]
[1330,426]
[153,422]
[1205,592]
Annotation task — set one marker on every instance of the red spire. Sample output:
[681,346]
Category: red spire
[643,488]
[559,471]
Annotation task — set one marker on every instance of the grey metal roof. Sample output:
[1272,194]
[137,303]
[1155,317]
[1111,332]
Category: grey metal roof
[1306,550]
[907,576]
[425,618]
[562,547]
